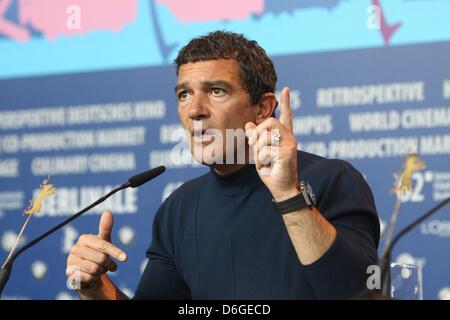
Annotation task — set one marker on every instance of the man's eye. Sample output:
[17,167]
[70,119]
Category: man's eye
[182,95]
[217,91]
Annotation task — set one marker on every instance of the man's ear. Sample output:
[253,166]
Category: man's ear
[266,107]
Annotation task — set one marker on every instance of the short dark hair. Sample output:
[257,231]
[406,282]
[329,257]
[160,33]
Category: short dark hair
[257,71]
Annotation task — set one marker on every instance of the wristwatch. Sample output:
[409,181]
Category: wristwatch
[72,284]
[304,199]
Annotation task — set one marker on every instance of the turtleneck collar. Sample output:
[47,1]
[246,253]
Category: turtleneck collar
[241,181]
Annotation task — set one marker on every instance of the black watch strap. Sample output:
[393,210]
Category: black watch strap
[304,199]
[295,203]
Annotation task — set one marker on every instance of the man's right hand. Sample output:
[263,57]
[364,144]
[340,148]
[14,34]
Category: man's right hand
[90,257]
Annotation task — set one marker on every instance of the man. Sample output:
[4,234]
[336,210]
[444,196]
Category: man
[244,231]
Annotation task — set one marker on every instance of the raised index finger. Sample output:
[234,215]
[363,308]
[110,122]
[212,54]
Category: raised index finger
[285,109]
[107,248]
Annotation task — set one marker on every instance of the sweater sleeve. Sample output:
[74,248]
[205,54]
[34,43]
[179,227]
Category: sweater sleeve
[346,201]
[161,279]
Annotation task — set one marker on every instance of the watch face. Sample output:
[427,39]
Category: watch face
[310,193]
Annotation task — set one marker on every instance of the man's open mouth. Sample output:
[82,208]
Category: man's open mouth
[202,136]
[198,133]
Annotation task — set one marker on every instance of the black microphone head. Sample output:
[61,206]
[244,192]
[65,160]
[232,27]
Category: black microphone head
[146,176]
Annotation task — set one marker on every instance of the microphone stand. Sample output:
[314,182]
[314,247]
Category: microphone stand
[6,271]
[385,262]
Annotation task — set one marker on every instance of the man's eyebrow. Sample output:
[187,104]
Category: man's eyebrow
[220,83]
[207,84]
[179,86]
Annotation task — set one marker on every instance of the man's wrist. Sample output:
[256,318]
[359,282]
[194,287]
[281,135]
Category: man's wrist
[103,290]
[97,291]
[301,199]
[90,292]
[281,196]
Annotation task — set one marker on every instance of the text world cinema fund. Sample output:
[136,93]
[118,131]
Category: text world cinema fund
[243,309]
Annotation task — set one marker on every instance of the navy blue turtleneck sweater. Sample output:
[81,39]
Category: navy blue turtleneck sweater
[219,237]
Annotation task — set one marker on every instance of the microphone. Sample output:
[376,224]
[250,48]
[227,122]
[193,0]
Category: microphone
[385,261]
[133,182]
[146,176]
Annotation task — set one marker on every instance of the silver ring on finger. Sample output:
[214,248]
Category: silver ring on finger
[276,139]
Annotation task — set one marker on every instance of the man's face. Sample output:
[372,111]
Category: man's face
[211,98]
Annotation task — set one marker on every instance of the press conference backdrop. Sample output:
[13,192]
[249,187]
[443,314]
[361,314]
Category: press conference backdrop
[86,96]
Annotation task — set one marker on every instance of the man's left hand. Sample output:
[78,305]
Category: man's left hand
[276,163]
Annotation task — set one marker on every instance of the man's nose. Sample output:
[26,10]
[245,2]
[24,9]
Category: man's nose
[198,108]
